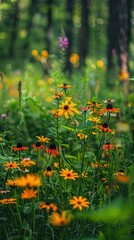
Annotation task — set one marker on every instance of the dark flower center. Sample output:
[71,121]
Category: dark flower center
[38,144]
[68,175]
[94,103]
[105,125]
[66,107]
[47,203]
[52,146]
[64,85]
[49,168]
[109,106]
[19,145]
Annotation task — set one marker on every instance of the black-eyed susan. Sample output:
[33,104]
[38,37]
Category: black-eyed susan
[48,171]
[109,108]
[68,108]
[29,193]
[19,147]
[37,146]
[30,180]
[94,119]
[11,165]
[8,201]
[52,150]
[79,202]
[68,174]
[48,206]
[43,139]
[60,220]
[94,104]
[64,86]
[81,135]
[57,95]
[108,147]
[27,162]
[104,128]
[56,113]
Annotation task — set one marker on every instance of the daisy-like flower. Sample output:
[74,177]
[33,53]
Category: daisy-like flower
[95,165]
[68,174]
[29,193]
[11,183]
[93,104]
[57,95]
[60,220]
[108,147]
[56,113]
[11,165]
[8,201]
[68,108]
[105,128]
[30,180]
[94,119]
[27,162]
[48,206]
[37,146]
[52,150]
[79,202]
[109,108]
[48,172]
[64,86]
[19,147]
[43,139]
[124,75]
[82,135]
[56,165]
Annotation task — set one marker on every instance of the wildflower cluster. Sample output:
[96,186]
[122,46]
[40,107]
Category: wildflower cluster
[71,169]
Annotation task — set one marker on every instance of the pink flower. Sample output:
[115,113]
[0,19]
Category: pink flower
[63,43]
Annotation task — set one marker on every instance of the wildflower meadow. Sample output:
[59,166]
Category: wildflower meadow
[66,147]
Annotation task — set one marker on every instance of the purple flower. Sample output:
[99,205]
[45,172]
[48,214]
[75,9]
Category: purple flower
[63,43]
[3,116]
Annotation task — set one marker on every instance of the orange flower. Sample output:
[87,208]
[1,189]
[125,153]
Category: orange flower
[44,53]
[105,128]
[37,146]
[124,75]
[8,201]
[82,136]
[108,147]
[19,147]
[48,206]
[29,193]
[27,162]
[68,108]
[30,180]
[64,86]
[68,174]
[60,220]
[79,202]
[11,165]
[11,183]
[48,172]
[52,150]
[121,177]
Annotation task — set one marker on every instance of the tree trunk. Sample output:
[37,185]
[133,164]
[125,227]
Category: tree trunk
[14,31]
[69,31]
[48,27]
[84,33]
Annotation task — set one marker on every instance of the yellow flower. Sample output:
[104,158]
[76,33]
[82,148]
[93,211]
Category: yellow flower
[48,172]
[43,139]
[64,86]
[27,162]
[7,201]
[79,202]
[68,174]
[29,193]
[67,109]
[100,64]
[34,52]
[30,180]
[11,183]
[44,53]
[56,113]
[60,220]
[94,119]
[82,136]
[11,165]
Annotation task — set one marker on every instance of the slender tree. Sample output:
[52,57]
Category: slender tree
[69,29]
[14,28]
[48,27]
[84,32]
[119,29]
